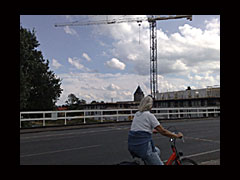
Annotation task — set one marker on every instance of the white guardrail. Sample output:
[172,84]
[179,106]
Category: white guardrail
[68,117]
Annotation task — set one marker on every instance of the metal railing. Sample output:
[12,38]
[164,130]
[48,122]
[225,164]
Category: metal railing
[70,117]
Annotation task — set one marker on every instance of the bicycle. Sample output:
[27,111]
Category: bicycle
[174,159]
[176,156]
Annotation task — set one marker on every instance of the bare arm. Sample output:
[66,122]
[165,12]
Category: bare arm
[167,133]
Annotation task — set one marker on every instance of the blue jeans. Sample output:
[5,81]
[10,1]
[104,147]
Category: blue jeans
[153,158]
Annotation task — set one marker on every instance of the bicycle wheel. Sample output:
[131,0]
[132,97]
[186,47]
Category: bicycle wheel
[187,161]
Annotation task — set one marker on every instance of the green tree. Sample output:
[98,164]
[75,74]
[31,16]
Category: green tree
[73,102]
[39,87]
[72,99]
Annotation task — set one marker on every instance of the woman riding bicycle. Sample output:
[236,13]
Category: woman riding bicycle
[140,142]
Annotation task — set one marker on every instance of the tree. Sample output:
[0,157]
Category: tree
[73,102]
[72,99]
[39,87]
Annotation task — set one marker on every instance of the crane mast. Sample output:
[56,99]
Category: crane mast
[153,59]
[153,39]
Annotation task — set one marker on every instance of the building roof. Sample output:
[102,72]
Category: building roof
[138,90]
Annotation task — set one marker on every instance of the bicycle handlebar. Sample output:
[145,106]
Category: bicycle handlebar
[182,139]
[175,131]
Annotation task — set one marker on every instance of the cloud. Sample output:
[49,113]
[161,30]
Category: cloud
[101,87]
[85,55]
[187,57]
[179,66]
[188,48]
[121,86]
[112,87]
[55,64]
[76,63]
[213,26]
[70,31]
[115,64]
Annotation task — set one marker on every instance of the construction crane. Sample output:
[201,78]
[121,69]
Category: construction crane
[153,39]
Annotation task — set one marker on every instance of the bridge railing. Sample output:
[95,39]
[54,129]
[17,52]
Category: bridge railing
[71,117]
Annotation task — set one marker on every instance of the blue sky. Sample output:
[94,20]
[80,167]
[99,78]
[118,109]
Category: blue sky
[101,62]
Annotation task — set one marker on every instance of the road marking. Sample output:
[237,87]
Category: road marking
[57,151]
[211,162]
[73,133]
[198,154]
[201,139]
[47,139]
[63,134]
[203,153]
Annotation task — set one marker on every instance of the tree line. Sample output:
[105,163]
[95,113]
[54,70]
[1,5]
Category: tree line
[73,102]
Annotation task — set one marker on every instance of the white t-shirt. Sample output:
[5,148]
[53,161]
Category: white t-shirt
[144,121]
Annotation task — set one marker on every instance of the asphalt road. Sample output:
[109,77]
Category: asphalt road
[108,145]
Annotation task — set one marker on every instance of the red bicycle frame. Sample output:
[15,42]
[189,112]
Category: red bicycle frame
[173,157]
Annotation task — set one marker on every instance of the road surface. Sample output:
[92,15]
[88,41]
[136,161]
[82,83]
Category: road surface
[108,145]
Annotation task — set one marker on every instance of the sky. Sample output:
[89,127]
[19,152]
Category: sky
[107,62]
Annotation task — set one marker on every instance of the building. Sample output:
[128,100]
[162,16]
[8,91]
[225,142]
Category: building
[189,98]
[209,96]
[138,95]
[205,97]
[190,94]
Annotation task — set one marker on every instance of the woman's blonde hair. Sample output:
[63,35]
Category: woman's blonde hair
[146,104]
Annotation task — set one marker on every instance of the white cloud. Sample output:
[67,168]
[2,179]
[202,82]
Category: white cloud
[197,77]
[102,87]
[121,87]
[76,63]
[179,65]
[85,55]
[132,57]
[70,31]
[189,48]
[112,87]
[55,63]
[188,57]
[115,64]
[213,26]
